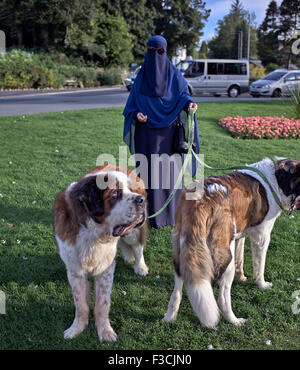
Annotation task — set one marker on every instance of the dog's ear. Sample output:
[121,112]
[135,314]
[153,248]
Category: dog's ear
[87,200]
[78,198]
[83,195]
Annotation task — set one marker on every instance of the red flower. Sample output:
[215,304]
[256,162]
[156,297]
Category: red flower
[261,127]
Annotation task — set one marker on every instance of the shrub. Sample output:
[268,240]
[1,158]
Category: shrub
[256,72]
[271,67]
[87,76]
[9,82]
[20,69]
[111,76]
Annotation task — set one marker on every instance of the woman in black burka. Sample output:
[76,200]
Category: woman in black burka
[158,97]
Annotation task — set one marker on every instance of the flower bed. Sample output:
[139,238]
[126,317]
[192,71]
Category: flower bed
[261,127]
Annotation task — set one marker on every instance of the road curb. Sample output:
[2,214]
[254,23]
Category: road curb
[35,92]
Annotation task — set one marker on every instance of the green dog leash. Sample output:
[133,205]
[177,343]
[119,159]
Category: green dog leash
[190,127]
[191,153]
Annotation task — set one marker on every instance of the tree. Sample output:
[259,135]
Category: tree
[12,14]
[140,19]
[42,23]
[203,50]
[113,33]
[289,22]
[267,34]
[81,41]
[237,7]
[73,27]
[275,34]
[225,43]
[180,22]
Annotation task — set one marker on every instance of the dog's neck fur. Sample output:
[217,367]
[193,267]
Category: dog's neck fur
[267,167]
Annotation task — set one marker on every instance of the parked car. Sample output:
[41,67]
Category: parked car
[216,76]
[277,83]
[130,79]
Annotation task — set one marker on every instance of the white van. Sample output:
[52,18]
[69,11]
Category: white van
[216,76]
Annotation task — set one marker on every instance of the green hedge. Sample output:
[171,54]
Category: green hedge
[86,75]
[21,69]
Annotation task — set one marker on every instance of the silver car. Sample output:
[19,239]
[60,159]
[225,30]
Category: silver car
[130,79]
[280,82]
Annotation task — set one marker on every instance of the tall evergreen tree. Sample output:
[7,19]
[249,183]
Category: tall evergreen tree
[267,34]
[237,7]
[289,23]
[203,50]
[225,44]
[275,34]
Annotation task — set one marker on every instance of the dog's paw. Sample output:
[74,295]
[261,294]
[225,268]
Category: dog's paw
[264,285]
[169,318]
[240,277]
[128,258]
[239,322]
[107,335]
[74,330]
[141,270]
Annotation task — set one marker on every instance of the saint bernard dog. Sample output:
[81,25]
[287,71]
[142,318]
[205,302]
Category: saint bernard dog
[90,217]
[208,237]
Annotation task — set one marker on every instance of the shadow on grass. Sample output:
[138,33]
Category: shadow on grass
[40,324]
[26,269]
[29,215]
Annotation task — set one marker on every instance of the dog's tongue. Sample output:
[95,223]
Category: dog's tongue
[118,230]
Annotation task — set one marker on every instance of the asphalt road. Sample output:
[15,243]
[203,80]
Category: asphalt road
[29,102]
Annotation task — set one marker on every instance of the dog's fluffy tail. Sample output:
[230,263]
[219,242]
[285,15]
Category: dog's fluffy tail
[203,302]
[196,267]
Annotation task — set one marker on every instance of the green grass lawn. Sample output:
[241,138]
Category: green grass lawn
[40,155]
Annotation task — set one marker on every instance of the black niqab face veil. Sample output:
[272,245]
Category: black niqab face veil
[155,70]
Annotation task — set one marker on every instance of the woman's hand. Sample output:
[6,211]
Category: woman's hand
[141,117]
[193,106]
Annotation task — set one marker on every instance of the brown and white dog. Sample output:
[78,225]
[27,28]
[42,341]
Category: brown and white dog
[209,233]
[90,216]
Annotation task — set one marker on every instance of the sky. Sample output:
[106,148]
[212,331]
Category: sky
[219,8]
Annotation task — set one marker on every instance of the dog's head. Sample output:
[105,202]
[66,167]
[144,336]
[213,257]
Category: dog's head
[107,198]
[287,172]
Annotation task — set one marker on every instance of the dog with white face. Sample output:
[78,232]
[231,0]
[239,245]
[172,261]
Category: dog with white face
[90,216]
